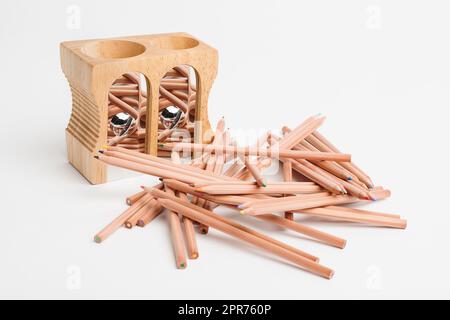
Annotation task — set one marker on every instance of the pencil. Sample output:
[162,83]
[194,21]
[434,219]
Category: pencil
[357,216]
[132,199]
[227,228]
[360,212]
[120,220]
[177,237]
[287,176]
[249,151]
[191,241]
[274,189]
[299,205]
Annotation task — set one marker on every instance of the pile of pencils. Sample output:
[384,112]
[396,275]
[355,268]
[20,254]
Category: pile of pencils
[222,174]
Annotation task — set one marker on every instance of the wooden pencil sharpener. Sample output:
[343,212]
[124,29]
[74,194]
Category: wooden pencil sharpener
[127,91]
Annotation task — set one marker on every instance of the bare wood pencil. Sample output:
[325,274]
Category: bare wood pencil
[229,189]
[351,216]
[191,241]
[249,151]
[177,237]
[361,212]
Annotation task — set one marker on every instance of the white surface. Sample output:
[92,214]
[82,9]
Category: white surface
[382,80]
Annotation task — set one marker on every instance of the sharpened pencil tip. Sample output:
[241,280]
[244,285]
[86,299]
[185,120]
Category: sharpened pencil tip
[96,157]
[101,151]
[349,178]
[97,239]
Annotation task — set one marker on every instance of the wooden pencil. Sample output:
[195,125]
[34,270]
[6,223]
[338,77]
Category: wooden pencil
[295,206]
[177,236]
[274,189]
[189,230]
[362,212]
[227,228]
[250,151]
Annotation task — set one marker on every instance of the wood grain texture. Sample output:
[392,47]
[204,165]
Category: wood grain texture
[91,66]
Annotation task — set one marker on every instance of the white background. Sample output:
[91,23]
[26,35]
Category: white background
[379,70]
